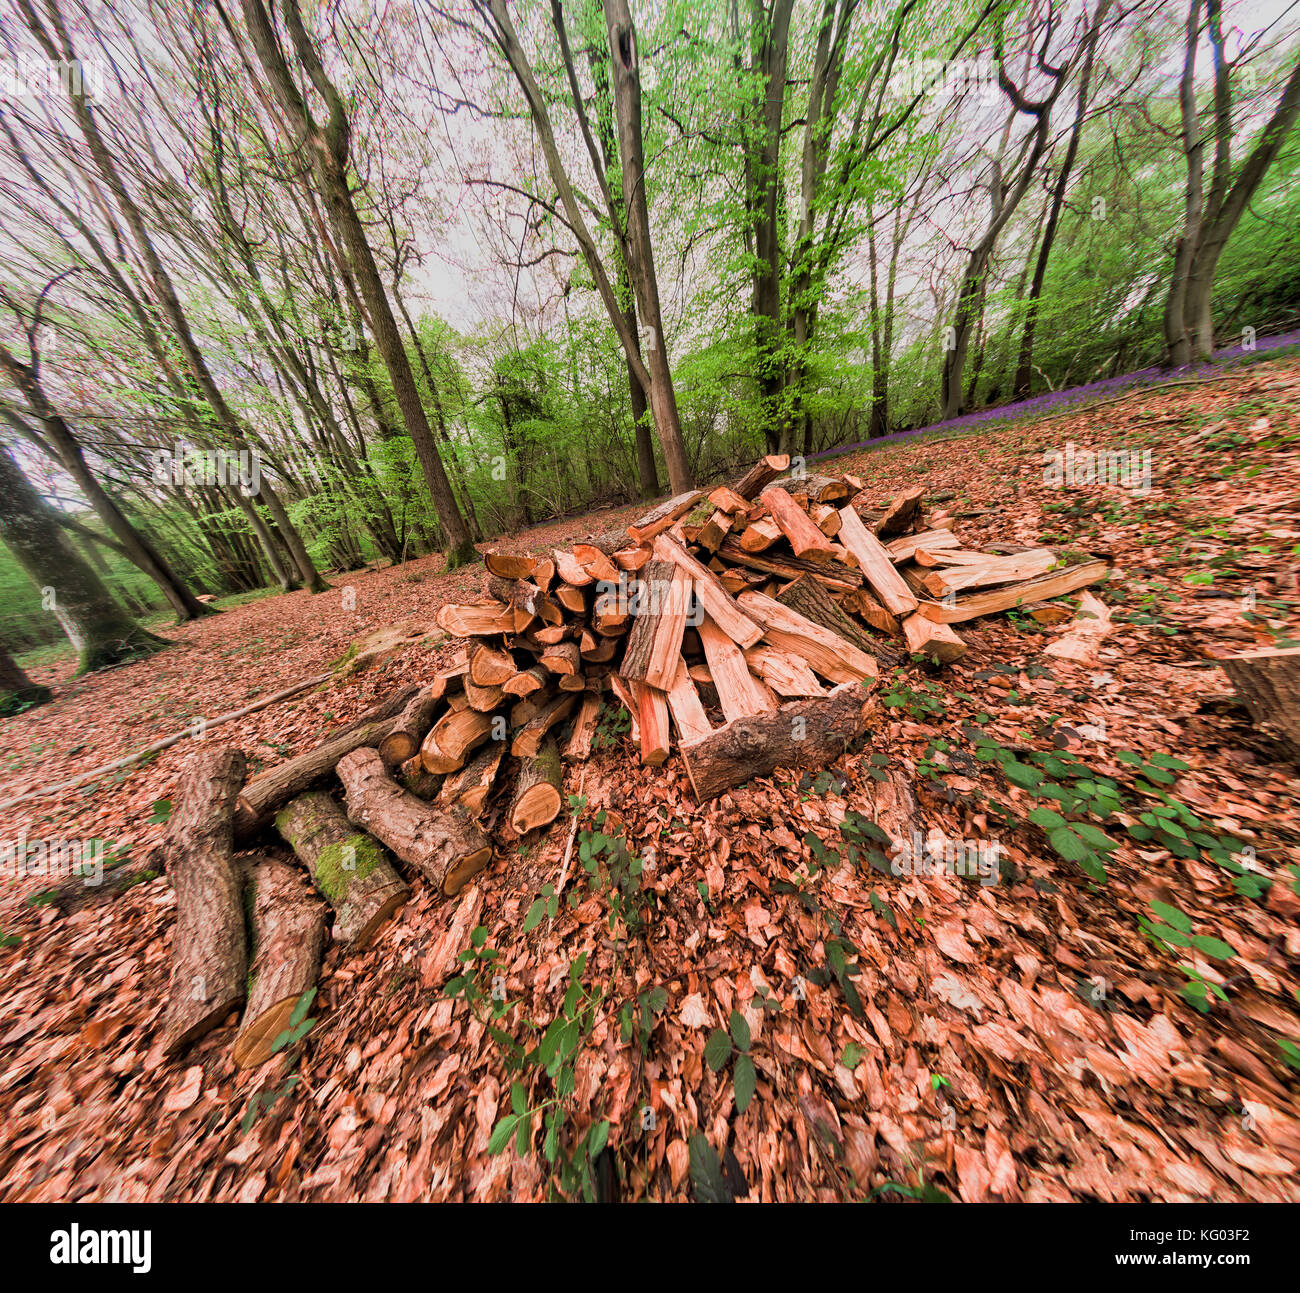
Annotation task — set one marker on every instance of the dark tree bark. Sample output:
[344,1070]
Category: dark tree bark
[99,629]
[17,690]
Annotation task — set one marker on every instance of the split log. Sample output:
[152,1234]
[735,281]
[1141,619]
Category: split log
[739,692]
[938,641]
[865,607]
[826,517]
[446,680]
[901,550]
[452,737]
[528,740]
[509,566]
[1058,583]
[483,699]
[652,710]
[876,564]
[563,658]
[710,593]
[623,691]
[664,516]
[632,559]
[595,563]
[785,672]
[654,644]
[447,848]
[289,934]
[570,569]
[810,598]
[993,570]
[402,740]
[483,619]
[1268,683]
[714,530]
[761,474]
[490,666]
[209,952]
[684,705]
[584,728]
[349,868]
[833,574]
[544,573]
[472,785]
[805,539]
[609,614]
[951,557]
[806,733]
[760,535]
[597,650]
[538,797]
[729,500]
[825,651]
[900,513]
[572,599]
[526,681]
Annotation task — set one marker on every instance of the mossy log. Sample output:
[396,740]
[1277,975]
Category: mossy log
[351,870]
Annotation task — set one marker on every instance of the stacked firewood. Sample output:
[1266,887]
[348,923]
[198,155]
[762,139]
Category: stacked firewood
[738,628]
[743,623]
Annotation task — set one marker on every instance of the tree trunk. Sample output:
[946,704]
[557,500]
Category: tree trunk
[100,631]
[17,690]
[328,148]
[627,111]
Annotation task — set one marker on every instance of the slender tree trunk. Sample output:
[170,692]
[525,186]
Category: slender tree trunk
[328,148]
[626,81]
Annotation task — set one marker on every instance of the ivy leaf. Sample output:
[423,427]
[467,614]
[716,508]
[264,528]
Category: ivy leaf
[1047,819]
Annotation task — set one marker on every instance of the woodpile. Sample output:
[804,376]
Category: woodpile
[735,627]
[741,629]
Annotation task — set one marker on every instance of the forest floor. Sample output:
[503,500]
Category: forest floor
[1019,1040]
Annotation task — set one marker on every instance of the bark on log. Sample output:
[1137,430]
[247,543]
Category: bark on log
[447,848]
[408,730]
[268,792]
[762,473]
[412,776]
[584,728]
[209,950]
[538,797]
[349,868]
[470,787]
[811,599]
[808,733]
[288,935]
